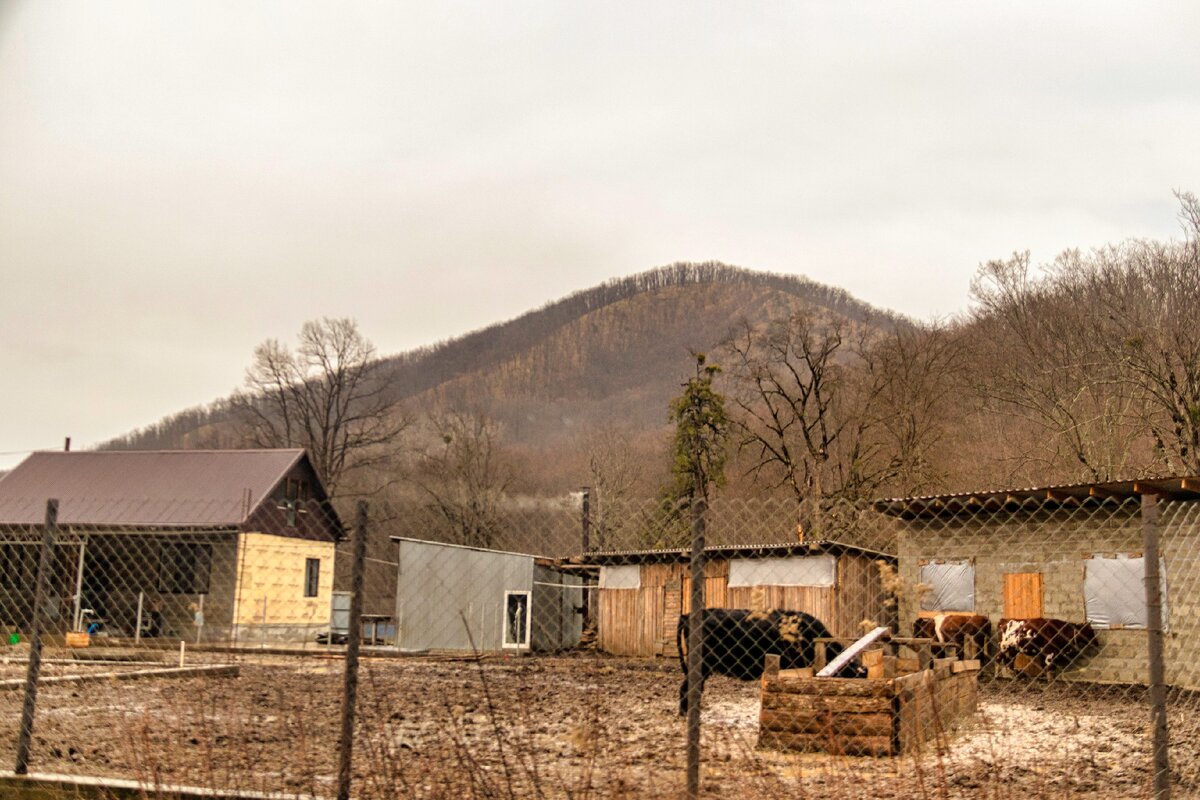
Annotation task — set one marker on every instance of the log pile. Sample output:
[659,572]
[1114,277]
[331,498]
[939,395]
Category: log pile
[894,711]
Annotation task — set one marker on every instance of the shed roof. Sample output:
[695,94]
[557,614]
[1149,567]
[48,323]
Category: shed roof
[492,550]
[145,488]
[764,550]
[1179,487]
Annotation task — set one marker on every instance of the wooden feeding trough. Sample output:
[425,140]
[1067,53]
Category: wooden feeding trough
[900,705]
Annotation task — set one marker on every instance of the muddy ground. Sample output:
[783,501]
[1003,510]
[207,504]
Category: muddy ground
[570,727]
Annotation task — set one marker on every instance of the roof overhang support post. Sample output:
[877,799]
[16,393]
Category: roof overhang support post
[78,619]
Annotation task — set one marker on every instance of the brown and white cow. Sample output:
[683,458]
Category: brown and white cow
[1053,643]
[957,629]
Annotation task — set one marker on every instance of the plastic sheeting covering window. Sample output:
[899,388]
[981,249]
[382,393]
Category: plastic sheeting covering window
[625,576]
[794,571]
[951,586]
[1114,593]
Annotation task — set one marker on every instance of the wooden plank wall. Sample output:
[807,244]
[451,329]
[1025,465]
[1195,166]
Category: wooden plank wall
[642,622]
[630,621]
[815,600]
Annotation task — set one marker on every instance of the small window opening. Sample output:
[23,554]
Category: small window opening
[312,576]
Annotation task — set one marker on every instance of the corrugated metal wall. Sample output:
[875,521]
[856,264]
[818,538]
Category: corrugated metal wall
[642,621]
[452,598]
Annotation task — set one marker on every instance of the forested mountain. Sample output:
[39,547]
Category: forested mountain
[610,355]
[1086,368]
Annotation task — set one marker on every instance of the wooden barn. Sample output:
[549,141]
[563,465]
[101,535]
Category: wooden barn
[206,545]
[1069,552]
[641,593]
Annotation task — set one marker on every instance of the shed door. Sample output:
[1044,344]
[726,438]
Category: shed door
[1023,595]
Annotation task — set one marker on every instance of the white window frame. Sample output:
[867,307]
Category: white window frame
[504,643]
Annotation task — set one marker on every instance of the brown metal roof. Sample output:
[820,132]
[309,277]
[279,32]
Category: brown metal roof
[1179,487]
[152,488]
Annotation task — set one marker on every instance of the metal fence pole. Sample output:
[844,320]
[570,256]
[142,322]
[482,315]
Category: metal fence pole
[25,733]
[695,654]
[1154,647]
[353,641]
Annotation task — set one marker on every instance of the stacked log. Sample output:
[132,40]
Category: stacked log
[885,714]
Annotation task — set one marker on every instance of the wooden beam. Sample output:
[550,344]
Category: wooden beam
[852,651]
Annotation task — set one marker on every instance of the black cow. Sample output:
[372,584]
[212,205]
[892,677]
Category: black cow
[737,640]
[1053,643]
[957,629]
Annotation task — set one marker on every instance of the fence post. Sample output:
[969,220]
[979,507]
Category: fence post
[586,596]
[353,641]
[1154,647]
[25,733]
[695,654]
[587,518]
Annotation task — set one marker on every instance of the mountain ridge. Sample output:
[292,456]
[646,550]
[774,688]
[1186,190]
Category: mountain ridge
[610,354]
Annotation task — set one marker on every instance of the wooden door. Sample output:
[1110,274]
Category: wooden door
[1023,595]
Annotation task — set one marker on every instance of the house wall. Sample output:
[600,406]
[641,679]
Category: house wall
[452,598]
[1057,544]
[269,604]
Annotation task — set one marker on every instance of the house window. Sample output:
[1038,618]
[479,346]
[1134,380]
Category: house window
[948,586]
[312,576]
[516,619]
[293,494]
[184,567]
[1114,592]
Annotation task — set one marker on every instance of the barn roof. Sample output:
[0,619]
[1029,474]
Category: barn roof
[765,550]
[1180,487]
[147,488]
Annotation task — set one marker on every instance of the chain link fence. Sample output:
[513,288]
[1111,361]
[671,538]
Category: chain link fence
[535,648]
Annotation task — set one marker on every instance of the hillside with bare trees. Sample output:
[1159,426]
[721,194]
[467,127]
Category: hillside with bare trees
[1083,368]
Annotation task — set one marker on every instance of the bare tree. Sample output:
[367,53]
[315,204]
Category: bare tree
[834,410]
[330,395]
[1147,298]
[1100,352]
[909,373]
[614,472]
[465,476]
[1037,358]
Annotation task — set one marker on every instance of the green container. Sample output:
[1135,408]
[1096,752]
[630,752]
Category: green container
[14,638]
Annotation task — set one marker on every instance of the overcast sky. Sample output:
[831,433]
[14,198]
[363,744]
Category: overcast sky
[180,181]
